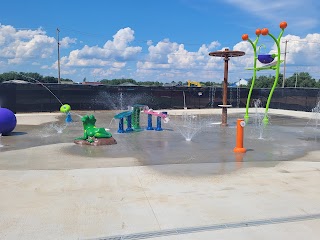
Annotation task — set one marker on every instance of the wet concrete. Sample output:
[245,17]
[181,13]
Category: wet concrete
[286,138]
[54,189]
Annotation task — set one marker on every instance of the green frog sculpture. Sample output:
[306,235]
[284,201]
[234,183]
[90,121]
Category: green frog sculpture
[93,135]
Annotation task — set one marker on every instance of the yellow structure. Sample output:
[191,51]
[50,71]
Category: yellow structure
[193,83]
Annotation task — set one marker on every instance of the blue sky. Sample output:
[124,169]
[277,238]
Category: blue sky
[167,40]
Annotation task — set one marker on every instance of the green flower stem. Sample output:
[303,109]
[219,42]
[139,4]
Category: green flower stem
[254,45]
[277,41]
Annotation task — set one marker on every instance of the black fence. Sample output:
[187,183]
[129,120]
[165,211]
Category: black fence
[37,98]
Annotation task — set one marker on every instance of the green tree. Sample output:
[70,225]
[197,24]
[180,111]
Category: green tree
[302,79]
[265,81]
[49,79]
[8,76]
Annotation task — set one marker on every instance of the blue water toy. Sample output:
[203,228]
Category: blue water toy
[121,116]
[159,115]
[159,128]
[66,108]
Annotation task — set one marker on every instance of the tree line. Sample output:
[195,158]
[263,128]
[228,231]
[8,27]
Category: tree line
[30,77]
[129,80]
[301,79]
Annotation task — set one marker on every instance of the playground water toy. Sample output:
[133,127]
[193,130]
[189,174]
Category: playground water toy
[226,54]
[239,137]
[159,115]
[163,115]
[136,110]
[66,108]
[93,135]
[132,117]
[8,121]
[121,116]
[270,64]
[266,58]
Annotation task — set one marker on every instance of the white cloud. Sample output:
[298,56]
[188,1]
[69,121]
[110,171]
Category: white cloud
[116,51]
[163,61]
[247,59]
[300,14]
[107,72]
[302,51]
[303,54]
[66,42]
[18,45]
[171,60]
[21,46]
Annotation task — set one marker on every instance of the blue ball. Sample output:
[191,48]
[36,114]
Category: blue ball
[8,121]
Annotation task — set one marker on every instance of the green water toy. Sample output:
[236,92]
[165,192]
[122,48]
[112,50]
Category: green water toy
[269,64]
[65,108]
[91,131]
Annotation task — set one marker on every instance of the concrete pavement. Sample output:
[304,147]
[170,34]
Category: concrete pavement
[92,203]
[122,201]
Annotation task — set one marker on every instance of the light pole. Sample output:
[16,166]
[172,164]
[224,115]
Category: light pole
[284,63]
[58,31]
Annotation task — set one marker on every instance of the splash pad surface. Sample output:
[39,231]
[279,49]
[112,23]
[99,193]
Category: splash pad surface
[50,145]
[82,193]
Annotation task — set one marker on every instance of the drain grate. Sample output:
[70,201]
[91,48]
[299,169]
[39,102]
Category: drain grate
[178,231]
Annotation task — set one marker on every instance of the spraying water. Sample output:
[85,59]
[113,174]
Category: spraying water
[212,95]
[314,122]
[58,127]
[184,100]
[316,114]
[238,96]
[230,96]
[78,115]
[42,86]
[1,145]
[121,101]
[258,117]
[188,125]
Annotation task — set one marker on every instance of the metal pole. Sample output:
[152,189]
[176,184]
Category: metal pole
[284,63]
[225,91]
[58,31]
[295,85]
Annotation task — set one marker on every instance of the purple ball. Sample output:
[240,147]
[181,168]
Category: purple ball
[8,121]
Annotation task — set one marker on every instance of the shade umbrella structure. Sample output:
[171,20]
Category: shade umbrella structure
[226,54]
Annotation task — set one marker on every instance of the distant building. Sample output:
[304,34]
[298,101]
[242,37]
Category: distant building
[66,82]
[17,81]
[127,84]
[92,83]
[241,82]
[173,84]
